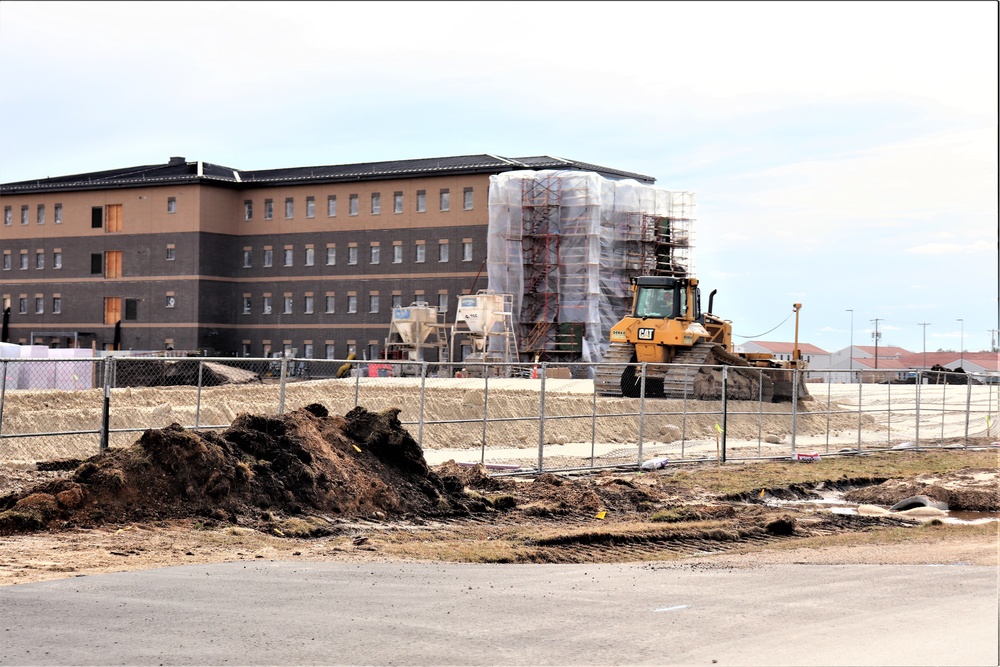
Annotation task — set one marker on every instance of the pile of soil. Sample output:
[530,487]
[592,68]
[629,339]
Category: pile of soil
[969,490]
[262,469]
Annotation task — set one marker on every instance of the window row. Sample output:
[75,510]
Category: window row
[24,302]
[353,251]
[57,214]
[24,260]
[354,204]
[308,303]
[307,350]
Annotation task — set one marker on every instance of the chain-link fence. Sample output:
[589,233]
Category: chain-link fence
[508,417]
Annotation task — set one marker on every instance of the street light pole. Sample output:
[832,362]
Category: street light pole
[876,335]
[850,350]
[924,325]
[961,345]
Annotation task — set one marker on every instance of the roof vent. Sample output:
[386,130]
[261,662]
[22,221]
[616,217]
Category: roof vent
[177,160]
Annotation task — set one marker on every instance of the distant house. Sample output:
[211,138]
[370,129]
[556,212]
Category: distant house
[814,357]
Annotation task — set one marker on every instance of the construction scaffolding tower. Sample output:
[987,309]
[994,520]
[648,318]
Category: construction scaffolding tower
[566,243]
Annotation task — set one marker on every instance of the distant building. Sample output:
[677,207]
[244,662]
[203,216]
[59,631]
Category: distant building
[197,256]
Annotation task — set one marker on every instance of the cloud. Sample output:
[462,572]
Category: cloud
[953,248]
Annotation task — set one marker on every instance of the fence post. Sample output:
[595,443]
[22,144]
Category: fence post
[725,410]
[795,405]
[860,385]
[3,392]
[357,387]
[968,406]
[197,407]
[486,408]
[642,407]
[541,417]
[593,419]
[423,395]
[281,385]
[106,407]
[919,381]
[760,411]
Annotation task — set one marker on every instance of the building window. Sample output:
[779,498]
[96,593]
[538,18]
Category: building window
[248,209]
[310,207]
[374,254]
[421,253]
[58,214]
[445,199]
[267,305]
[352,205]
[268,209]
[397,253]
[245,348]
[310,257]
[96,263]
[96,217]
[352,303]
[373,303]
[247,258]
[331,255]
[352,254]
[171,301]
[466,251]
[246,305]
[467,199]
[376,203]
[397,300]
[40,260]
[24,214]
[24,261]
[6,261]
[22,305]
[288,305]
[171,253]
[331,206]
[289,257]
[307,350]
[421,201]
[442,251]
[331,352]
[373,351]
[56,305]
[268,257]
[442,303]
[8,215]
[397,202]
[171,204]
[41,214]
[131,310]
[57,260]
[39,305]
[307,306]
[331,305]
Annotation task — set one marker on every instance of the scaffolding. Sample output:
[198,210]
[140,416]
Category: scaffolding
[565,244]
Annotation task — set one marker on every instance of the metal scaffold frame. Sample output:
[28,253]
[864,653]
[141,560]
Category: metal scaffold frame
[566,243]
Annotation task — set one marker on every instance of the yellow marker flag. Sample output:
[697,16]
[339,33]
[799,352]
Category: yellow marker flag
[718,428]
[601,514]
[356,448]
[762,493]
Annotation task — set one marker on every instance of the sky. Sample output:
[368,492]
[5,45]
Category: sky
[843,155]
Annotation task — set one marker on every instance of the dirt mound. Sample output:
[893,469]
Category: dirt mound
[970,489]
[258,471]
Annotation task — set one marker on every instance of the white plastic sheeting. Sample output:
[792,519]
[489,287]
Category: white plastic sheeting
[565,243]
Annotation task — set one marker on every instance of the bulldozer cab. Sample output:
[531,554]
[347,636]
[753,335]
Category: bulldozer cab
[665,298]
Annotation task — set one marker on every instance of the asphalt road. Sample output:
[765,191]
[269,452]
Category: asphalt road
[288,613]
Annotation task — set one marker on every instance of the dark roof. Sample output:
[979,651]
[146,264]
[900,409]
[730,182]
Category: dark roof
[179,170]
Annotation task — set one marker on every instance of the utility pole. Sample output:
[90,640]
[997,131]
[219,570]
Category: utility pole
[993,345]
[924,325]
[876,335]
[961,345]
[850,351]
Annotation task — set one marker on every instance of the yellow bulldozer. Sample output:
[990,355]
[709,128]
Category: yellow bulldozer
[685,348]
